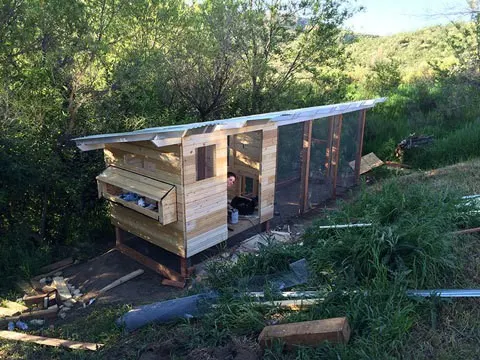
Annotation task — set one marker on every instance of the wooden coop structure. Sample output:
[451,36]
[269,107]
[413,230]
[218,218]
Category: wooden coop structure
[167,185]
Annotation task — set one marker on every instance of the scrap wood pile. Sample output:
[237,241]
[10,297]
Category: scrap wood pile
[47,297]
[412,141]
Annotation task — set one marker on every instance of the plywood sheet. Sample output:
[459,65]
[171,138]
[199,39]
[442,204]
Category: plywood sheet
[368,162]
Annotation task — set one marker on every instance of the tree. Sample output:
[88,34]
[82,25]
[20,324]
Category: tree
[281,39]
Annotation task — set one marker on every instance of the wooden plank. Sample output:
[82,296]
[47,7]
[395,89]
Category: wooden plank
[150,263]
[336,153]
[40,314]
[174,149]
[169,162]
[268,174]
[207,240]
[4,312]
[12,305]
[328,153]
[367,163]
[305,171]
[75,345]
[295,304]
[158,174]
[360,134]
[133,182]
[308,333]
[61,286]
[121,280]
[177,284]
[205,223]
[166,236]
[57,265]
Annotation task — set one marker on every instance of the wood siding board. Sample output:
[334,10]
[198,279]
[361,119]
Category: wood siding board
[168,237]
[207,240]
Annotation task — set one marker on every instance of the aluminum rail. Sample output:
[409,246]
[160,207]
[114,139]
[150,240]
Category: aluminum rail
[445,293]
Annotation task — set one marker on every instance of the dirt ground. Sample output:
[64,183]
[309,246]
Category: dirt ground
[147,288]
[100,271]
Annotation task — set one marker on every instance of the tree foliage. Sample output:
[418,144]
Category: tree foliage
[95,66]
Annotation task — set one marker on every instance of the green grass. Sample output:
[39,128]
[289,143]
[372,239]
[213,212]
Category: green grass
[361,273]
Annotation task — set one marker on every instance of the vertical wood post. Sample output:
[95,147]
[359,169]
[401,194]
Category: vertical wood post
[119,236]
[306,147]
[183,267]
[337,133]
[360,134]
[328,153]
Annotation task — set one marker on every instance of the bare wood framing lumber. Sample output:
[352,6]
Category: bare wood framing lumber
[360,134]
[306,147]
[57,265]
[120,281]
[76,345]
[336,153]
[307,333]
[40,314]
[328,152]
[150,263]
[467,231]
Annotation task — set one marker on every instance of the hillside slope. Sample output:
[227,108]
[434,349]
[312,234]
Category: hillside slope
[413,51]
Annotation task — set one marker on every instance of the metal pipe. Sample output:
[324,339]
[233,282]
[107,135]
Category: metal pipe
[343,226]
[445,293]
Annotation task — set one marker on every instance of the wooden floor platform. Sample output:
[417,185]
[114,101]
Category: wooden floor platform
[244,223]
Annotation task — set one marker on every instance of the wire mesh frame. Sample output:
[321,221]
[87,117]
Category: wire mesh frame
[315,161]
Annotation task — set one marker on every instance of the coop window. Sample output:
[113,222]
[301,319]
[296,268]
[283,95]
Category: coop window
[248,185]
[205,160]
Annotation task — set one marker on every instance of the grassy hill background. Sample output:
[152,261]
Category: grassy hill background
[431,79]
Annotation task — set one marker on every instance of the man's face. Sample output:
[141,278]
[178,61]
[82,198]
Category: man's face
[230,181]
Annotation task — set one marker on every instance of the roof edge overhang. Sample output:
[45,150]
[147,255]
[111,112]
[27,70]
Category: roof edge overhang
[171,135]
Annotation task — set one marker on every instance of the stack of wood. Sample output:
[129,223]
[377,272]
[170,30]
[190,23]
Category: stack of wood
[46,297]
[413,141]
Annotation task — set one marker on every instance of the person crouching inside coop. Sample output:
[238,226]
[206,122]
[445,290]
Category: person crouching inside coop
[231,178]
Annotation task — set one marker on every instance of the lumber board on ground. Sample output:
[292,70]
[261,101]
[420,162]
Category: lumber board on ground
[120,281]
[295,304]
[57,265]
[40,314]
[4,312]
[61,286]
[12,305]
[41,340]
[308,333]
[367,163]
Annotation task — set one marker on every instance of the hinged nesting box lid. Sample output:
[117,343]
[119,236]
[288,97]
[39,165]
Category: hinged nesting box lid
[152,198]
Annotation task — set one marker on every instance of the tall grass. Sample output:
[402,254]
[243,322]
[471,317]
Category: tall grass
[461,145]
[362,273]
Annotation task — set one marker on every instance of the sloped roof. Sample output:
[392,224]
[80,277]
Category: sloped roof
[285,117]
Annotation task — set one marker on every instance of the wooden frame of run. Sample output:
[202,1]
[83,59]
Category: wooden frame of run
[168,186]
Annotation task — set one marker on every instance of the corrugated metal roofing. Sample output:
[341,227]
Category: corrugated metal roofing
[281,117]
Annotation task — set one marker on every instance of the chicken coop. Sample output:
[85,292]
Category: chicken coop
[168,185]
